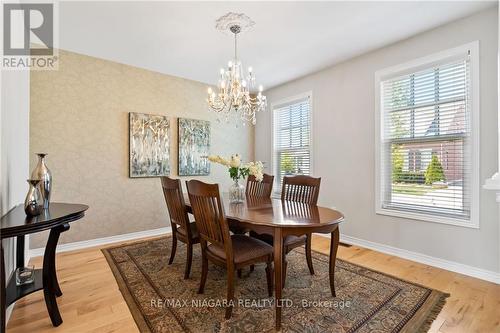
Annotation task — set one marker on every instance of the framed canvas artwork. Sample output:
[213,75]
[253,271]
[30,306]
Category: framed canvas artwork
[149,145]
[194,147]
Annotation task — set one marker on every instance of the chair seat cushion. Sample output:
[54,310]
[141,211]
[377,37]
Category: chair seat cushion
[194,230]
[295,240]
[263,237]
[244,249]
[289,240]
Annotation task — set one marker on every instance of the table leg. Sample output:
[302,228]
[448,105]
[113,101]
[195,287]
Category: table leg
[57,289]
[278,274]
[2,289]
[50,284]
[334,245]
[20,251]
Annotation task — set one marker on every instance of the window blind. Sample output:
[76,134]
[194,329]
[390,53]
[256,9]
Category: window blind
[292,139]
[426,140]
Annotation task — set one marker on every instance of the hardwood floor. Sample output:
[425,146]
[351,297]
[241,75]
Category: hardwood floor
[93,303]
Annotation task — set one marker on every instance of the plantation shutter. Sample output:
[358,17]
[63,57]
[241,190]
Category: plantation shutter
[292,140]
[426,140]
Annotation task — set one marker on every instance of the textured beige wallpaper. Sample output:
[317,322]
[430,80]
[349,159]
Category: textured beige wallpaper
[79,116]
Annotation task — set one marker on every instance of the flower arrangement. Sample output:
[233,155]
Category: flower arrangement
[238,169]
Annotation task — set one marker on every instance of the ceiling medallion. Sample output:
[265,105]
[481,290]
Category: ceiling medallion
[224,23]
[234,94]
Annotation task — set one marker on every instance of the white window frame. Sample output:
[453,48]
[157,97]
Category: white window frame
[414,66]
[277,191]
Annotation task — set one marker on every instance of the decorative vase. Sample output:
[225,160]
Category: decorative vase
[236,192]
[43,173]
[33,204]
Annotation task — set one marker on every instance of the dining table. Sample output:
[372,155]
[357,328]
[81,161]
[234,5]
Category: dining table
[281,218]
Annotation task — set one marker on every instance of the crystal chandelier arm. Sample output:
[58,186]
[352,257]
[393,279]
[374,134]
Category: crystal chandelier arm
[218,104]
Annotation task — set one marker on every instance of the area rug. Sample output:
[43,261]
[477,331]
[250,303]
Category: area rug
[367,301]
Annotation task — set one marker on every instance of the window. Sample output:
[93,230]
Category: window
[427,160]
[292,138]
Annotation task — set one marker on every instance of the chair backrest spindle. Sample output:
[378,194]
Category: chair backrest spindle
[263,188]
[301,188]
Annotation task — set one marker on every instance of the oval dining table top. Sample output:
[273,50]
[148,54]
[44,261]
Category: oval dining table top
[275,212]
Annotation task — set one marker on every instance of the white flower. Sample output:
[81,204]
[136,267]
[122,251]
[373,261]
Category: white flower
[218,159]
[256,169]
[252,169]
[235,161]
[259,176]
[223,161]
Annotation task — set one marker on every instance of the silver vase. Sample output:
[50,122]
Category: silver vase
[43,173]
[33,204]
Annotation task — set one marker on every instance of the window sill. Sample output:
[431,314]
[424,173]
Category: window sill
[428,218]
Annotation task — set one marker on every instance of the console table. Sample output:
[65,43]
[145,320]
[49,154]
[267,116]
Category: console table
[16,224]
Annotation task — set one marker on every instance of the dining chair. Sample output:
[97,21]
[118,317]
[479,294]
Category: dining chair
[218,245]
[182,229]
[300,189]
[259,189]
[256,189]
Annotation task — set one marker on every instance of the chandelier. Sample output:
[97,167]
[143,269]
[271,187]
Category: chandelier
[235,90]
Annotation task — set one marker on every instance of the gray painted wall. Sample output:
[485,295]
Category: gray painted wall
[344,150]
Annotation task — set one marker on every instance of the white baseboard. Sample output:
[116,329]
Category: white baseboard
[103,241]
[410,255]
[453,266]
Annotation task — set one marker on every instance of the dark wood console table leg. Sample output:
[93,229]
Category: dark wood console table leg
[334,245]
[51,287]
[2,290]
[20,251]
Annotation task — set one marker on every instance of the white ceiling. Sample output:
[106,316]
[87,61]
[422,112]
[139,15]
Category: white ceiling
[289,39]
